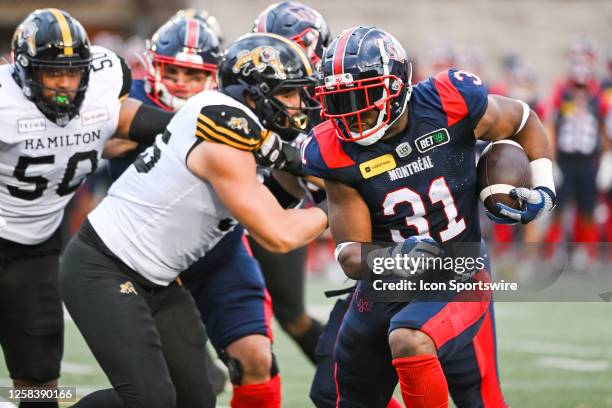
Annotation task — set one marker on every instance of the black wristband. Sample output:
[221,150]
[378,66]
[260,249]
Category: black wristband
[148,122]
[285,199]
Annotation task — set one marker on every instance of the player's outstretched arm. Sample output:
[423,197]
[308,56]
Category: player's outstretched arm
[232,173]
[350,225]
[141,123]
[506,118]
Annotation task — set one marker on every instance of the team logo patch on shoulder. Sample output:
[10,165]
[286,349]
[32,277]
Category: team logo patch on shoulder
[94,115]
[377,166]
[239,124]
[30,125]
[432,140]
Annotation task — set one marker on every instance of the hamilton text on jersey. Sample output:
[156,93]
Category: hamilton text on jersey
[62,140]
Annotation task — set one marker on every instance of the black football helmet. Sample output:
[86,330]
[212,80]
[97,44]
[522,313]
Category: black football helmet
[364,69]
[298,22]
[205,17]
[51,39]
[263,65]
[184,42]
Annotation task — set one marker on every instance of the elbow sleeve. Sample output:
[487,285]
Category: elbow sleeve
[148,122]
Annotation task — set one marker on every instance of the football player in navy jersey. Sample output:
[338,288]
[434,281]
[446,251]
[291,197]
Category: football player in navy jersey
[181,58]
[398,163]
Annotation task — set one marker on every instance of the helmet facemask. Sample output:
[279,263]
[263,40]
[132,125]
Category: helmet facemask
[279,117]
[181,48]
[351,103]
[59,105]
[309,41]
[162,91]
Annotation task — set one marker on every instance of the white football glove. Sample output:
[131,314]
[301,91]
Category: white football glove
[534,203]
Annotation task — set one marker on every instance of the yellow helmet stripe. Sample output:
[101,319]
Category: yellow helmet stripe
[65,30]
[296,47]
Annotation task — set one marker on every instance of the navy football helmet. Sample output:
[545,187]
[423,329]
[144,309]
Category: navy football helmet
[51,39]
[205,17]
[183,42]
[262,66]
[365,72]
[298,22]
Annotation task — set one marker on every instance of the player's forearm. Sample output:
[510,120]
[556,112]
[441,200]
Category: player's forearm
[118,148]
[293,229]
[533,139]
[537,146]
[349,257]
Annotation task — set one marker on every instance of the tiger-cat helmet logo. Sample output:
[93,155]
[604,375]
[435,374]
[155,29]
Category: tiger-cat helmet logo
[258,59]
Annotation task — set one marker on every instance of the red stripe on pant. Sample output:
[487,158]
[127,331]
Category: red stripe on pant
[458,315]
[247,246]
[268,313]
[484,348]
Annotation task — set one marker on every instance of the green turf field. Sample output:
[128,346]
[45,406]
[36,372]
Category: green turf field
[551,355]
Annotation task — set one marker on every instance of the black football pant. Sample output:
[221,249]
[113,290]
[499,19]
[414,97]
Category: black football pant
[148,339]
[31,321]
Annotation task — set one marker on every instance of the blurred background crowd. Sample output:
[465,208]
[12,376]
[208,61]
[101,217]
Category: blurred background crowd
[554,55]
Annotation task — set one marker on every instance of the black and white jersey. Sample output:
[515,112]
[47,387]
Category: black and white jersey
[42,164]
[158,217]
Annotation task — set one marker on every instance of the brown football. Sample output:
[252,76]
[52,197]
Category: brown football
[502,166]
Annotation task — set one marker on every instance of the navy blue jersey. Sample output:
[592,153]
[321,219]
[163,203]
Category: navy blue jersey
[422,181]
[117,165]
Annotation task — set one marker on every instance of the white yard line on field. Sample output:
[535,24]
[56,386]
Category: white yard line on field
[574,364]
[77,369]
[555,348]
